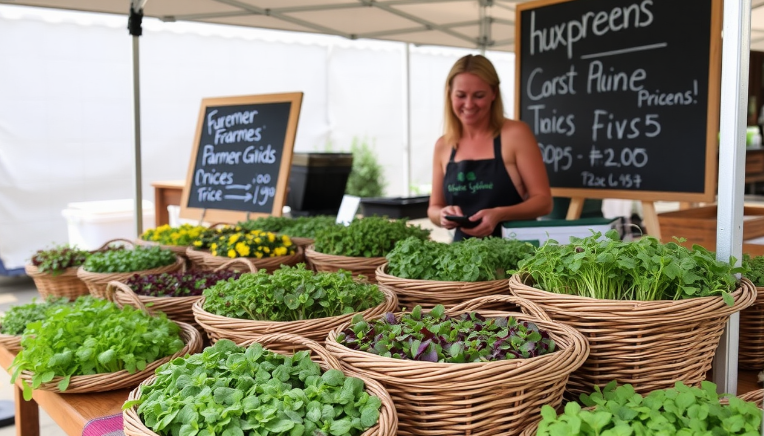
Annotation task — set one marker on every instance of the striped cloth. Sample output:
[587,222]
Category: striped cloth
[105,426]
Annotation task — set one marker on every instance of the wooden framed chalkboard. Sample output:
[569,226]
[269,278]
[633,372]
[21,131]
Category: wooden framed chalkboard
[622,95]
[241,157]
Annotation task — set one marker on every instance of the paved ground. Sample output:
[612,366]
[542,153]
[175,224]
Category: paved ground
[15,291]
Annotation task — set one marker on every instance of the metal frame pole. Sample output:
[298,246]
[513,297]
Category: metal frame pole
[729,236]
[134,26]
[407,121]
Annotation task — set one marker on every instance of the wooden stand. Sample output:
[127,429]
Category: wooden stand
[650,217]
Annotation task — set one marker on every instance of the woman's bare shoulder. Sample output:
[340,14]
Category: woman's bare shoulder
[516,128]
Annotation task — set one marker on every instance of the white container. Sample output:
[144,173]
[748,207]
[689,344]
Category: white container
[92,223]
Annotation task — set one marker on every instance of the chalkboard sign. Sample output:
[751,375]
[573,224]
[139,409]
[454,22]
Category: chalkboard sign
[241,157]
[622,95]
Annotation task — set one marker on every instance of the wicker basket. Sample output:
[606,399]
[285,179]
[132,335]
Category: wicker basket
[388,420]
[479,399]
[241,330]
[648,344]
[204,260]
[121,379]
[366,266]
[97,282]
[754,396]
[10,343]
[66,284]
[176,308]
[430,293]
[751,354]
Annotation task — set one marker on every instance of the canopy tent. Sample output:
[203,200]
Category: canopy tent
[479,24]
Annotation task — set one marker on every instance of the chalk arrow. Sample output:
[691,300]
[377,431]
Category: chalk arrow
[244,187]
[245,197]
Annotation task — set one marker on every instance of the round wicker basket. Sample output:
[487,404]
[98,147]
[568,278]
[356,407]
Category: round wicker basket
[176,308]
[430,293]
[648,344]
[67,284]
[241,330]
[751,355]
[480,398]
[10,342]
[388,420]
[754,396]
[121,379]
[366,266]
[96,282]
[204,260]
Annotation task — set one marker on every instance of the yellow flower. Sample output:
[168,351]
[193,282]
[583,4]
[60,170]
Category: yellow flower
[233,238]
[214,246]
[287,243]
[258,240]
[259,255]
[266,249]
[242,249]
[214,252]
[231,253]
[197,243]
[271,237]
[280,251]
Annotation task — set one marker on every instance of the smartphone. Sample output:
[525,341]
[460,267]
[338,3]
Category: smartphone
[463,221]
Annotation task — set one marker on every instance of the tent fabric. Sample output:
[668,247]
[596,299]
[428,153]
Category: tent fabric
[66,119]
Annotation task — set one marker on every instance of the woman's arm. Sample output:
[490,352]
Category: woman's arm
[438,208]
[522,156]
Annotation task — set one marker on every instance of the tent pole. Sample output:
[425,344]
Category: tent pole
[134,26]
[736,43]
[407,121]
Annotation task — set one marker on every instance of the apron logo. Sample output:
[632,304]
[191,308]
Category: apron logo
[473,187]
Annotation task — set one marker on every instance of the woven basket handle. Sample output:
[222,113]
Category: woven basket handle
[329,360]
[526,306]
[241,260]
[109,242]
[114,287]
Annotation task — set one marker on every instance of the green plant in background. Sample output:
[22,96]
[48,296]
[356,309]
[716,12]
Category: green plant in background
[57,259]
[137,259]
[367,237]
[366,178]
[754,269]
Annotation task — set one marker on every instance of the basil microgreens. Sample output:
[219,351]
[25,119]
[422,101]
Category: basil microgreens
[230,390]
[138,259]
[681,411]
[608,268]
[437,337]
[14,321]
[92,336]
[290,294]
[471,260]
[367,237]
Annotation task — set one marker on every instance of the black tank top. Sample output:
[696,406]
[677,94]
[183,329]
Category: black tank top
[474,185]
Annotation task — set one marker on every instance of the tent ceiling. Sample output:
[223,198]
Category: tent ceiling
[456,23]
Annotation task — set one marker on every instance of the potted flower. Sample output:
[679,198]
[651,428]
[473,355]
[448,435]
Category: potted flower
[642,305]
[119,264]
[264,250]
[292,300]
[176,239]
[360,247]
[54,271]
[428,273]
[465,370]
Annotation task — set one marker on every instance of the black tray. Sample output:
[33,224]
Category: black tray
[396,207]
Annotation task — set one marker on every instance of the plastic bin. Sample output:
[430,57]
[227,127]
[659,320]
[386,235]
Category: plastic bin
[91,223]
[538,231]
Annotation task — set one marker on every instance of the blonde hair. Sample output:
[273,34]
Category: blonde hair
[484,69]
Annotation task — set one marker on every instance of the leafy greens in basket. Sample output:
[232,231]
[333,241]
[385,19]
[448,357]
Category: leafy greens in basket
[14,321]
[647,270]
[437,337]
[290,294]
[92,336]
[368,237]
[138,259]
[230,390]
[471,260]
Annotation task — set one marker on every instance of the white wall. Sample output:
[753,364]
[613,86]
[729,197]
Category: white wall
[66,124]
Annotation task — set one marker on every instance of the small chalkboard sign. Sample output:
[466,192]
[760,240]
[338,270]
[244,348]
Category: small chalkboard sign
[241,157]
[622,95]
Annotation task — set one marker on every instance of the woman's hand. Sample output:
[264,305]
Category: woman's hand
[449,210]
[490,219]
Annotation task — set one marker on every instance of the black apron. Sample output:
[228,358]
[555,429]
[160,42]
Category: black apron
[474,185]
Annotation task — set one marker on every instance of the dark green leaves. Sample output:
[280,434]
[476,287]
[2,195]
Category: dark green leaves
[291,293]
[367,237]
[287,396]
[93,336]
[304,227]
[436,337]
[14,321]
[138,259]
[680,411]
[56,260]
[608,268]
[471,260]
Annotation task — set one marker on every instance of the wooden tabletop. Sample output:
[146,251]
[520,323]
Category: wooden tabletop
[70,411]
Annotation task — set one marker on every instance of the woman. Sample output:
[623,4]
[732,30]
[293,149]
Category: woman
[485,167]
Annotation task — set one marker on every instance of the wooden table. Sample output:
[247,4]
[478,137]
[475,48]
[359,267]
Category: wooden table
[166,193]
[70,411]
